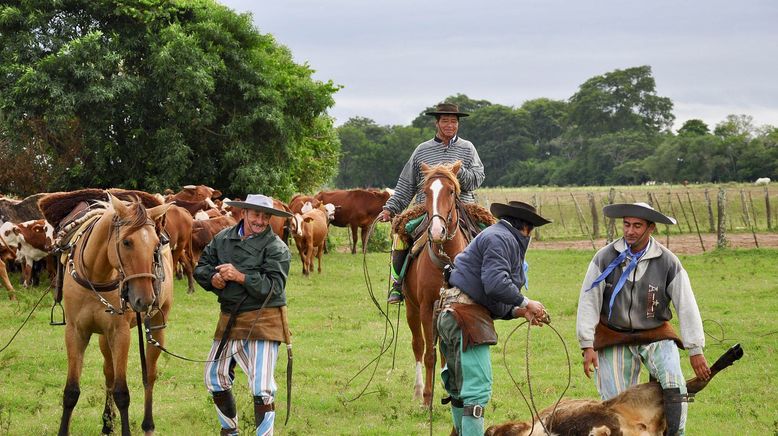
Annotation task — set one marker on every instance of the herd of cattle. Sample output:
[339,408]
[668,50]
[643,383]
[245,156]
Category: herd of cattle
[197,214]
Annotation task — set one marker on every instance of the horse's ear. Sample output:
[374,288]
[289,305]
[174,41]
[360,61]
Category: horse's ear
[118,206]
[157,212]
[455,168]
[424,167]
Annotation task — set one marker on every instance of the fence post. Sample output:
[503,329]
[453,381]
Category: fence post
[672,211]
[767,209]
[722,222]
[694,215]
[538,208]
[561,215]
[711,226]
[683,211]
[595,216]
[582,221]
[659,208]
[747,216]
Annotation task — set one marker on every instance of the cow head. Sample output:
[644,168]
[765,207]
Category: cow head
[329,208]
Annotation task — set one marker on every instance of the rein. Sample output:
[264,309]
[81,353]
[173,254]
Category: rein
[35,306]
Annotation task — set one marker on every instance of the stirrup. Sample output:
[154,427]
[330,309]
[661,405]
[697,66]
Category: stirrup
[61,311]
[395,297]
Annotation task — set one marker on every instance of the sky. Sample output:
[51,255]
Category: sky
[395,58]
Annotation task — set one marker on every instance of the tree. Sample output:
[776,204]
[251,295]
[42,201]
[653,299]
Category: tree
[620,100]
[465,103]
[157,94]
[694,127]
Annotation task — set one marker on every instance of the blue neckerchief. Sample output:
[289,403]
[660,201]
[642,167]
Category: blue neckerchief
[240,229]
[525,267]
[634,258]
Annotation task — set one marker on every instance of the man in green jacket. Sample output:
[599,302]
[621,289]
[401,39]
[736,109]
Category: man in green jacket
[246,266]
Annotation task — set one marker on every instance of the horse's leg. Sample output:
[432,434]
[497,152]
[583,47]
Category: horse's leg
[152,354]
[354,236]
[429,356]
[108,412]
[119,341]
[417,343]
[75,343]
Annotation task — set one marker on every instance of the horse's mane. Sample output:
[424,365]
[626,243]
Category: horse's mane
[442,170]
[137,218]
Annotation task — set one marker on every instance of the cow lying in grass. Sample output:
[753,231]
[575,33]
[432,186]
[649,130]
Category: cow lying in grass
[637,411]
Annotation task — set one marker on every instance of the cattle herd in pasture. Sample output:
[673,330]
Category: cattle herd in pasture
[197,214]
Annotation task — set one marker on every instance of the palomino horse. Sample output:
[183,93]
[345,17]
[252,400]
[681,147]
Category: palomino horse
[116,256]
[425,275]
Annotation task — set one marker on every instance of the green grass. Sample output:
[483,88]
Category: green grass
[337,330]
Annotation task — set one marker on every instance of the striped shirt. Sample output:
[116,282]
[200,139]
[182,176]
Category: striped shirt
[433,152]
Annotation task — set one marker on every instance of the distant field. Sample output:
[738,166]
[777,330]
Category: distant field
[337,330]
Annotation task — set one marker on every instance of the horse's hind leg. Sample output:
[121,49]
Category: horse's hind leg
[108,412]
[75,343]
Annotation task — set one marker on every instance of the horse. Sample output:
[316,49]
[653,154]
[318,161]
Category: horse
[425,275]
[113,266]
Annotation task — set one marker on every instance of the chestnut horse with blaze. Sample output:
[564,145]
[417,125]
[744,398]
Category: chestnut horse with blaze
[424,277]
[117,252]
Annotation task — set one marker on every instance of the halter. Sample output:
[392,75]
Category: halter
[120,282]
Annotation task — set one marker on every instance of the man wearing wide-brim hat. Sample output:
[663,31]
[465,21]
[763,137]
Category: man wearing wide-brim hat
[624,314]
[445,148]
[247,266]
[485,284]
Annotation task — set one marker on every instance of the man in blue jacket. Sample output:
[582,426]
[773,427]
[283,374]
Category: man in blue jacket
[485,285]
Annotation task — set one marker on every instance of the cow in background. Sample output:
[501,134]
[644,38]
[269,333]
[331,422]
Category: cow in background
[203,232]
[195,193]
[178,225]
[355,208]
[33,241]
[311,235]
[7,254]
[283,227]
[298,201]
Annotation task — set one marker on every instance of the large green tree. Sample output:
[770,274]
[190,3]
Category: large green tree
[150,94]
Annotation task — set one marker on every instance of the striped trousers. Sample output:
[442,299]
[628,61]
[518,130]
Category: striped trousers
[620,368]
[258,360]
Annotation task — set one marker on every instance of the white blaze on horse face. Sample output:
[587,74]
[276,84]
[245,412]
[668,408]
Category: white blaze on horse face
[144,235]
[437,226]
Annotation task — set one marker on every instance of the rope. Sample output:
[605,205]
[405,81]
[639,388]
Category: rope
[388,326]
[26,319]
[531,402]
[721,340]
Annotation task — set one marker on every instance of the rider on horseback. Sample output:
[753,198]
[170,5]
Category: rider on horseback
[446,147]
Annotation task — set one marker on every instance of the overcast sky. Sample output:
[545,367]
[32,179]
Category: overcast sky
[395,58]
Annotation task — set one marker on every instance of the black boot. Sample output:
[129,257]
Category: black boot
[260,409]
[673,408]
[225,402]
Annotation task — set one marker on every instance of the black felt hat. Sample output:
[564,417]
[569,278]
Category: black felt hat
[517,209]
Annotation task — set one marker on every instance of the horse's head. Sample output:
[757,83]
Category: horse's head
[132,245]
[441,188]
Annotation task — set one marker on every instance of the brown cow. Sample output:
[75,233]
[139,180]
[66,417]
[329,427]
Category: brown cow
[297,202]
[355,208]
[282,226]
[638,410]
[203,232]
[196,193]
[178,225]
[310,237]
[7,254]
[33,241]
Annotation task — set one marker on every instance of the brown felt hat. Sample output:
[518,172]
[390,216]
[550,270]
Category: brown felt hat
[447,109]
[518,209]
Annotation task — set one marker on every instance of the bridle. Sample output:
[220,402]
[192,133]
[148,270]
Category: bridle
[450,234]
[121,282]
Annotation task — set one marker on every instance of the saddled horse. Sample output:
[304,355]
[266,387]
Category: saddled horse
[116,266]
[425,275]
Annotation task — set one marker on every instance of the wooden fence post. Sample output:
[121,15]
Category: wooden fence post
[747,216]
[722,222]
[711,226]
[694,215]
[767,209]
[595,216]
[683,211]
[672,211]
[753,211]
[582,221]
[538,208]
[561,215]
[667,227]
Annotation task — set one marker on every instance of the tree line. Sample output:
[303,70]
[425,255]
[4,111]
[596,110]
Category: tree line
[615,130]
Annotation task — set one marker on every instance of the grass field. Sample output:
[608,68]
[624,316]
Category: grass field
[337,330]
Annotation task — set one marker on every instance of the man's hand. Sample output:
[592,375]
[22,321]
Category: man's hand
[228,272]
[385,216]
[217,281]
[700,366]
[535,313]
[590,361]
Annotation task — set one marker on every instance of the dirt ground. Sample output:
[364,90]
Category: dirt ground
[679,244]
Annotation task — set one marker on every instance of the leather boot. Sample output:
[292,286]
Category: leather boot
[673,408]
[264,415]
[398,261]
[227,412]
